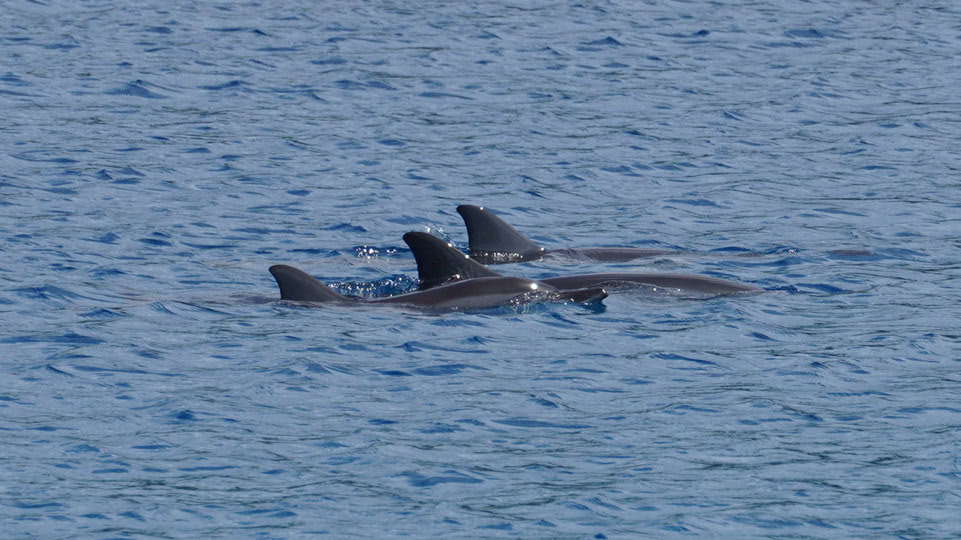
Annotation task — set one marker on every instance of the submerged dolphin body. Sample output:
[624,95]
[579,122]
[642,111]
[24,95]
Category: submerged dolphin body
[492,241]
[438,263]
[480,293]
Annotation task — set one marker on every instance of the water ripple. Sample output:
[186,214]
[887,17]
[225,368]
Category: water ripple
[159,160]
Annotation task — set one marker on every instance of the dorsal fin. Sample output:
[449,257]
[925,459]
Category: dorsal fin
[300,286]
[439,263]
[491,238]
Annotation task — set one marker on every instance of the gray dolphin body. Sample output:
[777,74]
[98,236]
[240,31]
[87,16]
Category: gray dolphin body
[438,263]
[492,241]
[478,293]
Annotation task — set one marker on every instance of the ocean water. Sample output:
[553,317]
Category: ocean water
[157,157]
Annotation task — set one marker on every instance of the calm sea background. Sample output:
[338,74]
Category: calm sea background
[158,157]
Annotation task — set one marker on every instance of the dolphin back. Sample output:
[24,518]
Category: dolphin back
[439,263]
[300,286]
[584,296]
[477,293]
[493,241]
[683,282]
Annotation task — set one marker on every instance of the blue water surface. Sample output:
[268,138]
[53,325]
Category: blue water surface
[157,157]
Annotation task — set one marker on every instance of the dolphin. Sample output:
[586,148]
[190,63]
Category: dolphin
[439,263]
[492,241]
[478,293]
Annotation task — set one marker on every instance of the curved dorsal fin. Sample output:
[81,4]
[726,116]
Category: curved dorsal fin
[491,238]
[300,286]
[439,263]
